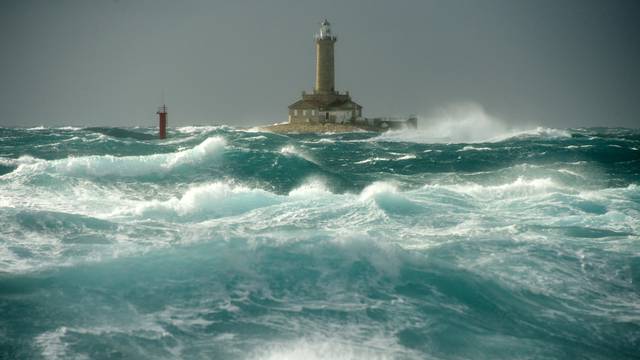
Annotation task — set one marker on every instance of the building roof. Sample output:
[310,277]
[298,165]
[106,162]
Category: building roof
[335,105]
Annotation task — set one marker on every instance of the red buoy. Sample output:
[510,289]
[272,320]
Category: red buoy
[162,117]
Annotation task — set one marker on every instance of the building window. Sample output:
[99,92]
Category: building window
[295,112]
[304,112]
[313,112]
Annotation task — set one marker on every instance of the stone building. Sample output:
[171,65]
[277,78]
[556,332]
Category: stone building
[325,104]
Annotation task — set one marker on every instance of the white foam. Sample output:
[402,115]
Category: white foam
[312,188]
[24,159]
[290,150]
[311,349]
[51,343]
[369,160]
[407,157]
[569,172]
[196,129]
[321,141]
[54,346]
[578,146]
[259,137]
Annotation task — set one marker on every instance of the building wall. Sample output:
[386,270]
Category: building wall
[304,116]
[328,116]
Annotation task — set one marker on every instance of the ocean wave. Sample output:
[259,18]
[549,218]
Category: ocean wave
[126,166]
[120,134]
[388,198]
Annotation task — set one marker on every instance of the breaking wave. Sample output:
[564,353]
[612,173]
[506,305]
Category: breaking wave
[212,200]
[125,166]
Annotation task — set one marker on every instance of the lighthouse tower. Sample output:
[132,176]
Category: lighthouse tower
[325,74]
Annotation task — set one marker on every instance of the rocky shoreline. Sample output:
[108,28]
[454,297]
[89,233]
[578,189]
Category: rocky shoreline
[298,128]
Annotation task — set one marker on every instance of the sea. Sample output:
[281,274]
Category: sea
[233,243]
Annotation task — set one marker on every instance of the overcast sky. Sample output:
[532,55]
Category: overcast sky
[556,63]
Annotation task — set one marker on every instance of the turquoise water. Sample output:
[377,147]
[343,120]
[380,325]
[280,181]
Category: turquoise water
[221,243]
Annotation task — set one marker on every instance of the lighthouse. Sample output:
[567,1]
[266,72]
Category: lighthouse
[325,73]
[325,104]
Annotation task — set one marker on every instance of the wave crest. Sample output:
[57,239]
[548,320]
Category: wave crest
[126,166]
[213,200]
[521,187]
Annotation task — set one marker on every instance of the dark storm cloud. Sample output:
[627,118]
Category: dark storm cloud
[557,63]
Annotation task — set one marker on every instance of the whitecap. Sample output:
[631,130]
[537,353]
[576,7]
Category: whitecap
[407,157]
[470,148]
[371,160]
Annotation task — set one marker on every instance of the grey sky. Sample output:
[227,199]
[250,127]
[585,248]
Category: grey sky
[550,62]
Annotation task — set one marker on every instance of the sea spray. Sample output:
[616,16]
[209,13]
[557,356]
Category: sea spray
[466,123]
